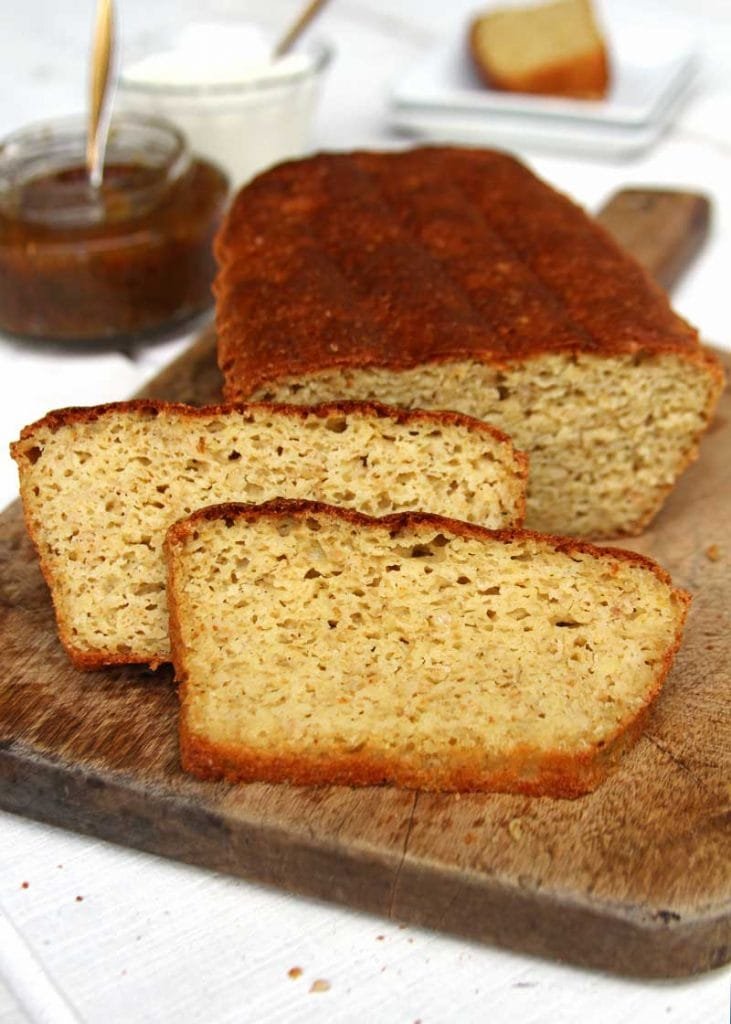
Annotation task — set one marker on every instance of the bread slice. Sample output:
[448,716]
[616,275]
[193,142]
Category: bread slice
[455,279]
[318,645]
[554,49]
[100,486]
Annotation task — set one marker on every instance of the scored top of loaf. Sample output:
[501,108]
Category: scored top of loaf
[428,255]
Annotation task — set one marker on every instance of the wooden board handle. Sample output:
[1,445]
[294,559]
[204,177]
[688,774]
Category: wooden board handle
[662,229]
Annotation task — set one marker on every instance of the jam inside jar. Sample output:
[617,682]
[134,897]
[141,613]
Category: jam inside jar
[127,260]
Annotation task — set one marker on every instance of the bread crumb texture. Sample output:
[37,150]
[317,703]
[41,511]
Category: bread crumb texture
[607,436]
[101,486]
[318,646]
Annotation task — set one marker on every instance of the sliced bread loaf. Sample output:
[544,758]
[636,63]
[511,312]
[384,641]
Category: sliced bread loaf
[100,486]
[318,645]
[455,279]
[555,49]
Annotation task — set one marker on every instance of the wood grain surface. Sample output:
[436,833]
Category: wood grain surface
[634,878]
[664,230]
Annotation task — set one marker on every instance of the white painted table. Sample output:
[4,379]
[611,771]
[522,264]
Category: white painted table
[97,933]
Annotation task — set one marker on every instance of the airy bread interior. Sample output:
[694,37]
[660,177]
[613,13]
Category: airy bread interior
[607,436]
[317,645]
[101,486]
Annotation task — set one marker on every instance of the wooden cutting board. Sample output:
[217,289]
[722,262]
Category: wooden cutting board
[635,878]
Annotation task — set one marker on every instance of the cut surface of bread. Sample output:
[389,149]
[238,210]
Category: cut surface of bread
[101,485]
[452,278]
[317,645]
[554,49]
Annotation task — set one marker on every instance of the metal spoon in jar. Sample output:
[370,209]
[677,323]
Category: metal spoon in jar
[102,60]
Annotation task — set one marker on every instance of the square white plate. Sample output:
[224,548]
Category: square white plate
[598,139]
[653,53]
[522,133]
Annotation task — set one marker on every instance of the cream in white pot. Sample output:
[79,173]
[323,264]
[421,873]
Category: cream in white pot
[219,82]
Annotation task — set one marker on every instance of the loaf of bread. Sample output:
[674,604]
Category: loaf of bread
[410,649]
[456,279]
[100,487]
[554,49]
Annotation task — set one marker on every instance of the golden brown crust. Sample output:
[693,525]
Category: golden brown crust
[398,521]
[87,414]
[431,255]
[528,771]
[551,774]
[584,77]
[525,771]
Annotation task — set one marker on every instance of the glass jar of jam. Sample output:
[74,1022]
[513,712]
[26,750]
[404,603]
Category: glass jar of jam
[130,258]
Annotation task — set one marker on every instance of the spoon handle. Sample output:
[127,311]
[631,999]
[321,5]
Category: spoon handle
[101,68]
[298,26]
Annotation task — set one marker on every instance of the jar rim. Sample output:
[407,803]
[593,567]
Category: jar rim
[46,148]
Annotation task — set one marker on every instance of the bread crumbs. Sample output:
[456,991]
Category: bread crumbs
[515,828]
[713,553]
[295,972]
[319,985]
